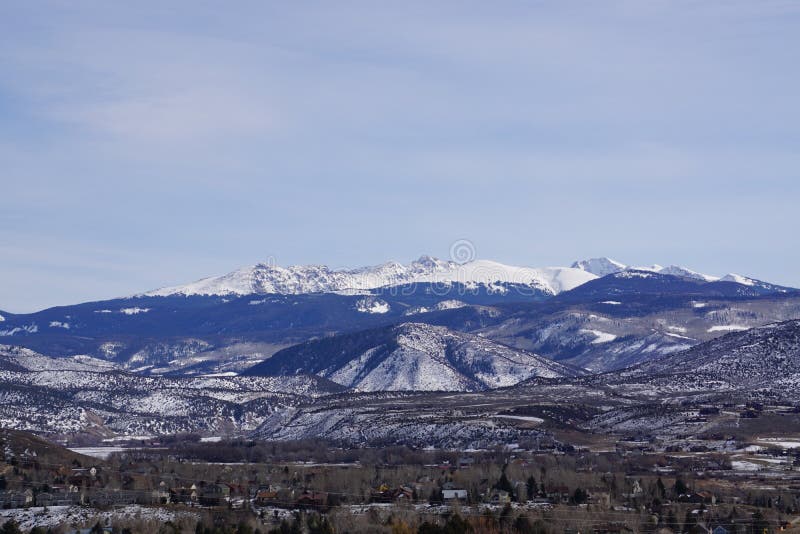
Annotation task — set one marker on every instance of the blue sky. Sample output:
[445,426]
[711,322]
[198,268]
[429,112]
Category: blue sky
[145,145]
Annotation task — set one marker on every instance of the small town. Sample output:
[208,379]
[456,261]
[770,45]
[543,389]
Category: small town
[175,486]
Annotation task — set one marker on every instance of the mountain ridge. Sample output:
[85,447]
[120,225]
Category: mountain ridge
[300,279]
[411,357]
[264,278]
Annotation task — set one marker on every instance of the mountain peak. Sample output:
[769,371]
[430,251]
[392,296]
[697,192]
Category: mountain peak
[738,278]
[599,266]
[605,266]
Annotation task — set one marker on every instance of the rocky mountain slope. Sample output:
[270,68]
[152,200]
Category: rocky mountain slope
[765,356]
[56,396]
[412,357]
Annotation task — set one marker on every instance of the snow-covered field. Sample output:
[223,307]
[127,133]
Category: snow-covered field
[728,328]
[101,453]
[784,443]
[79,516]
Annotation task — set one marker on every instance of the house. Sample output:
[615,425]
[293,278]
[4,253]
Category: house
[450,492]
[70,495]
[498,496]
[85,477]
[707,496]
[44,499]
[599,496]
[266,497]
[188,495]
[698,497]
[215,494]
[309,499]
[27,496]
[404,494]
[16,499]
[381,494]
[558,494]
[162,494]
[109,497]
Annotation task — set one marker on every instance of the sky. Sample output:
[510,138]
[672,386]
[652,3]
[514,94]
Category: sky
[147,144]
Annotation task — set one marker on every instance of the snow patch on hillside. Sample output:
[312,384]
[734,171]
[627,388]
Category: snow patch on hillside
[134,311]
[728,328]
[29,328]
[450,304]
[372,305]
[600,337]
[739,279]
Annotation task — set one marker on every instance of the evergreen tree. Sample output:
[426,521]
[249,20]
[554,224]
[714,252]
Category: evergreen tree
[523,525]
[456,525]
[429,528]
[580,496]
[760,525]
[10,527]
[504,484]
[689,521]
[287,528]
[531,487]
[672,521]
[505,514]
[662,490]
[318,524]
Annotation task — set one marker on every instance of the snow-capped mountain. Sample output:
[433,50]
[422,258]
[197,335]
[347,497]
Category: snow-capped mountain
[412,357]
[306,279]
[606,266]
[599,266]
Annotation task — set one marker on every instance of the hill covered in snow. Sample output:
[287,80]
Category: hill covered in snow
[412,357]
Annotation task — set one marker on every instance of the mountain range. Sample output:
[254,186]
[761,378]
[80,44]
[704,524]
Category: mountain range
[303,352]
[592,315]
[263,279]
